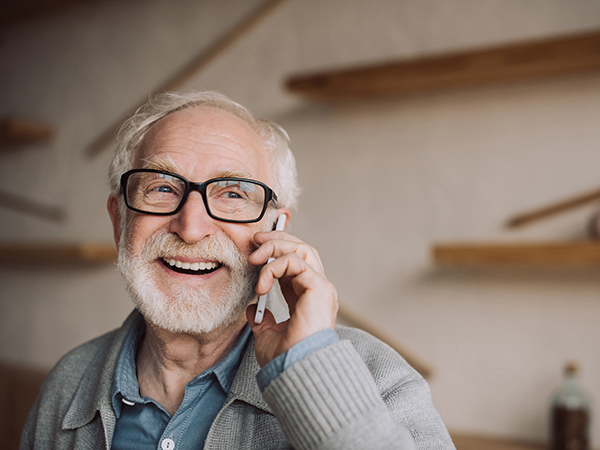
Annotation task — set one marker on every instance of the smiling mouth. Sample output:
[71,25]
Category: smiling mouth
[196,268]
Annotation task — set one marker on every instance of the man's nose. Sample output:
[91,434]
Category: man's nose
[192,223]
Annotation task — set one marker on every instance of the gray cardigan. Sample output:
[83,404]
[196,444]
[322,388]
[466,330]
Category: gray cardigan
[354,394]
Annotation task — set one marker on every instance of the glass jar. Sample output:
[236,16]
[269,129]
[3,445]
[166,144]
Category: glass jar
[570,413]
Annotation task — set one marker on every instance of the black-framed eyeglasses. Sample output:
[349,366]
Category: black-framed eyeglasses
[160,193]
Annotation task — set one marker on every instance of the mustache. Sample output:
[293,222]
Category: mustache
[211,248]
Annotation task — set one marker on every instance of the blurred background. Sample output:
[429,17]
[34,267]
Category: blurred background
[385,177]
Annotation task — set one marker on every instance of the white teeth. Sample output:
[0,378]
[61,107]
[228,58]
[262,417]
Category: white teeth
[192,266]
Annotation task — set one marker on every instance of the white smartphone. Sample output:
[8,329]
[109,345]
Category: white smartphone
[262,300]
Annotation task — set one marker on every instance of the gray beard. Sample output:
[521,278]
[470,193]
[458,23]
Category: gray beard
[187,309]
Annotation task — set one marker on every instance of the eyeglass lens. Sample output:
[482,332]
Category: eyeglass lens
[227,199]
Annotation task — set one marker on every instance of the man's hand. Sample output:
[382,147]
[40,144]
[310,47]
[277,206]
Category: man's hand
[311,298]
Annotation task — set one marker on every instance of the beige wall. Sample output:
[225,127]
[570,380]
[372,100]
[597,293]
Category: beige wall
[382,180]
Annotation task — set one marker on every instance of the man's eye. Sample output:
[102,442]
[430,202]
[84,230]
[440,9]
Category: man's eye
[163,189]
[232,195]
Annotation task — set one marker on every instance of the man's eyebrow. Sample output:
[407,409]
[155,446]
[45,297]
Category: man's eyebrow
[161,164]
[171,166]
[233,174]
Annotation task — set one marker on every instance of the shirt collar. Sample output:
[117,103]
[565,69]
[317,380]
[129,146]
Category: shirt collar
[126,383]
[226,369]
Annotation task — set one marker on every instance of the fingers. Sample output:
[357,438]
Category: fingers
[299,282]
[278,244]
[311,297]
[288,265]
[300,271]
[286,256]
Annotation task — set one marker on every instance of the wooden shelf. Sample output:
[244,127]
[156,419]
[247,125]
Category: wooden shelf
[498,254]
[28,206]
[18,130]
[476,442]
[78,253]
[513,62]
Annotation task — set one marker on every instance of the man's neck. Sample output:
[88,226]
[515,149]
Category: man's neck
[166,362]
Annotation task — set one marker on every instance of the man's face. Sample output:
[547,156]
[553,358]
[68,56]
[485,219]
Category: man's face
[199,144]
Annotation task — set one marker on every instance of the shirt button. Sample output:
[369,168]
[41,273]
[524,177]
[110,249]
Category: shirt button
[167,444]
[127,402]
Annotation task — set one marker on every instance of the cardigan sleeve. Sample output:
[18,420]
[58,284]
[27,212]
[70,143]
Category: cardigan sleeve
[338,398]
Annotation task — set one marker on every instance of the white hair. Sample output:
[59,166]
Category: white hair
[276,139]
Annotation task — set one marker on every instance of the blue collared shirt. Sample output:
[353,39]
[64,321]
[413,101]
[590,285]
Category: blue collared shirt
[143,424]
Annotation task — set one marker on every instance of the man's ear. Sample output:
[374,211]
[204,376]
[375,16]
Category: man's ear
[288,214]
[115,216]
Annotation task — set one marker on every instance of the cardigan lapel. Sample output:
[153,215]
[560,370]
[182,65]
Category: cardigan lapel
[95,390]
[244,385]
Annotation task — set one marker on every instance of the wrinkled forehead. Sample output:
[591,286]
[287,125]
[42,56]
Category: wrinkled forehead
[206,137]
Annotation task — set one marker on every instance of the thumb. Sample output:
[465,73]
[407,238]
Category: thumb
[267,322]
[250,314]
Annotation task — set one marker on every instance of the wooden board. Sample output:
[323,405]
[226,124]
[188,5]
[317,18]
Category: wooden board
[513,62]
[18,130]
[478,442]
[553,209]
[191,69]
[78,253]
[32,207]
[543,253]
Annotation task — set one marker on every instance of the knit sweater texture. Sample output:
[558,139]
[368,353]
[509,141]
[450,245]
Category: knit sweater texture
[355,394]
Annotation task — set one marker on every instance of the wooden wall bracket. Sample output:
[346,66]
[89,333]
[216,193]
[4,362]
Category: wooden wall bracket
[553,209]
[199,62]
[28,206]
[355,320]
[512,62]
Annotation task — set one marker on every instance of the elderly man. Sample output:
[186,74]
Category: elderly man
[197,186]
